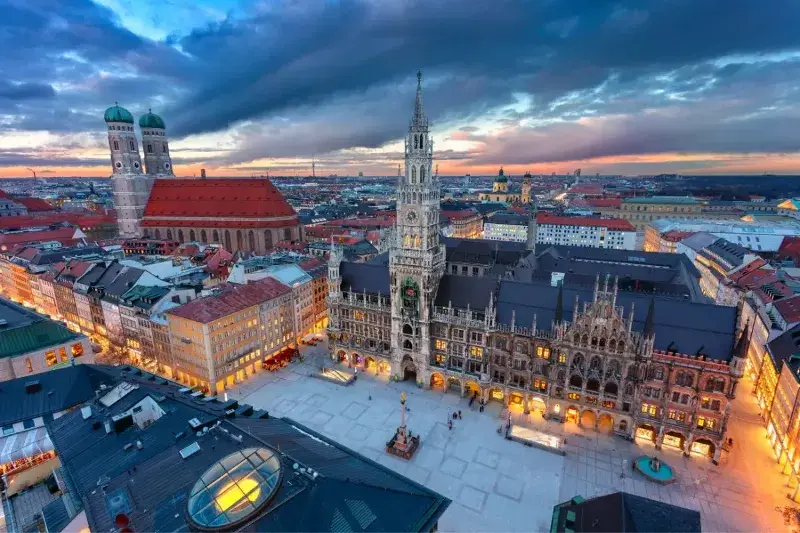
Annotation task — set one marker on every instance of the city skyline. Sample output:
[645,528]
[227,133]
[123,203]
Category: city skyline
[609,87]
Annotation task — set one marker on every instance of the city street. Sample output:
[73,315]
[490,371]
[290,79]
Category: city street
[500,485]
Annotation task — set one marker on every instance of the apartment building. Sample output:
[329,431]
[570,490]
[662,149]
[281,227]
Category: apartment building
[593,232]
[221,339]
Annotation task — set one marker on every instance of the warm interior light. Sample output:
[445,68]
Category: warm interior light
[234,492]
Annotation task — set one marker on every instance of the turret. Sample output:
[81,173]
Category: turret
[122,141]
[156,145]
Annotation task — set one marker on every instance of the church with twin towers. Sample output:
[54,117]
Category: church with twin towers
[132,183]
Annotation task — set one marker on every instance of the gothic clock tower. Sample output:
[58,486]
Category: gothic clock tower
[417,259]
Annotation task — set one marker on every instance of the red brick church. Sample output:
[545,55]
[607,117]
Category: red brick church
[242,214]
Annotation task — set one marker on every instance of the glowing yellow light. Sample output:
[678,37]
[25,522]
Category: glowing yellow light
[233,493]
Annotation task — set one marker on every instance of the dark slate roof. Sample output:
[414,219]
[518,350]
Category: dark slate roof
[364,277]
[628,513]
[49,257]
[785,349]
[26,331]
[151,484]
[682,325]
[729,252]
[509,218]
[380,259]
[60,389]
[465,291]
[55,515]
[483,252]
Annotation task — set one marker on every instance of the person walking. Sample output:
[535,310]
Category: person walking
[459,414]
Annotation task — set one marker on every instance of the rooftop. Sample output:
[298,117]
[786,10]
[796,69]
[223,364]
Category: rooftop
[23,331]
[661,200]
[616,224]
[230,299]
[214,198]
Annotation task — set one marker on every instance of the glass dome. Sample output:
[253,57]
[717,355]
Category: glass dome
[235,488]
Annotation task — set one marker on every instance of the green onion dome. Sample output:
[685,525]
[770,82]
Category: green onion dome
[151,120]
[118,114]
[501,177]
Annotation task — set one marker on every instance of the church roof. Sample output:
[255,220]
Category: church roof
[151,120]
[501,177]
[118,114]
[217,199]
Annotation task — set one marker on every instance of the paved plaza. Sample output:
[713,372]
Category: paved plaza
[500,485]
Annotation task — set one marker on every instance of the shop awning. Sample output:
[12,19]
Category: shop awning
[25,444]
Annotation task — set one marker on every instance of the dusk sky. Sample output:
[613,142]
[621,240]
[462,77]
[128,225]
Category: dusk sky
[624,86]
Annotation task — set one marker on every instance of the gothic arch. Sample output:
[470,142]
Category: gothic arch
[215,236]
[413,174]
[407,345]
[169,234]
[239,240]
[158,233]
[180,235]
[576,381]
[268,239]
[287,234]
[203,235]
[228,241]
[251,240]
[422,174]
[407,329]
[620,347]
[192,235]
[416,141]
[629,389]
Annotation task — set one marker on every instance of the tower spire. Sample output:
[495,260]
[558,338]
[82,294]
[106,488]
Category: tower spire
[419,114]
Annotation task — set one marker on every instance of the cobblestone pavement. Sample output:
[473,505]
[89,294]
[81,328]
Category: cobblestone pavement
[500,485]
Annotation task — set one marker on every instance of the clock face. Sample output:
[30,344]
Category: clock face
[411,216]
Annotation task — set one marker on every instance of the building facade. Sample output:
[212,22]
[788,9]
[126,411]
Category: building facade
[615,362]
[586,231]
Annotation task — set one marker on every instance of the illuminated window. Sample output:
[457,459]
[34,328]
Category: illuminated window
[539,384]
[546,353]
[28,365]
[50,358]
[441,345]
[62,352]
[562,357]
[574,396]
[649,409]
[476,351]
[358,315]
[440,358]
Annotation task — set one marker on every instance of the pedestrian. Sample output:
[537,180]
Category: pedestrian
[459,414]
[450,425]
[455,415]
[370,397]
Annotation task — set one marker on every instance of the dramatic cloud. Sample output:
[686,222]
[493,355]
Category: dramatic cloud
[505,82]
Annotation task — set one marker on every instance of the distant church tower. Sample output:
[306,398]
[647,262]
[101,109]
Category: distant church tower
[526,188]
[417,261]
[155,145]
[131,188]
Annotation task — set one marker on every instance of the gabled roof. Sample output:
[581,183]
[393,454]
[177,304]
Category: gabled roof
[34,204]
[214,198]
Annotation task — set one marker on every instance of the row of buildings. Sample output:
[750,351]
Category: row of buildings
[621,341]
[136,308]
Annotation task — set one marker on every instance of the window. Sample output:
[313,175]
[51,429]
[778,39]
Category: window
[62,352]
[562,357]
[50,358]
[8,430]
[574,396]
[116,145]
[149,148]
[705,423]
[649,409]
[500,342]
[440,345]
[476,337]
[539,384]
[476,351]
[439,358]
[458,334]
[28,424]
[358,315]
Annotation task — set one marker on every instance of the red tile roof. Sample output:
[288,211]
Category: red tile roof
[676,235]
[231,299]
[84,220]
[586,188]
[65,236]
[789,308]
[460,214]
[217,198]
[310,264]
[4,194]
[34,204]
[617,224]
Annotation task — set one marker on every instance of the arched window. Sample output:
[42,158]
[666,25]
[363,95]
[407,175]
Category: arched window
[268,239]
[422,174]
[413,174]
[169,234]
[422,141]
[133,147]
[415,142]
[407,345]
[239,240]
[287,234]
[149,148]
[203,235]
[164,148]
[192,235]
[610,388]
[576,381]
[158,233]
[215,236]
[407,330]
[251,240]
[180,235]
[628,389]
[593,385]
[228,241]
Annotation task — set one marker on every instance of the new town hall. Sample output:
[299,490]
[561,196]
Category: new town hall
[613,340]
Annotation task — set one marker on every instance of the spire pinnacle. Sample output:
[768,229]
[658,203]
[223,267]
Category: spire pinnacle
[419,120]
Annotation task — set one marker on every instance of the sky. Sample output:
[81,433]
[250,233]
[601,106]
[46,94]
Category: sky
[254,87]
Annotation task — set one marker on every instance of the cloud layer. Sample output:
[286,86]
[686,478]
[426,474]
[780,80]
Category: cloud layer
[510,82]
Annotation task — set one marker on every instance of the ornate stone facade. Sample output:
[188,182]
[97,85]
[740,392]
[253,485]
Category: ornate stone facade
[596,370]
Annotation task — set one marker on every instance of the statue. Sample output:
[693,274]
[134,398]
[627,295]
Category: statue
[655,464]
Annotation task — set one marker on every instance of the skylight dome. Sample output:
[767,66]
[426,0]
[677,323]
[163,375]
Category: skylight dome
[234,489]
